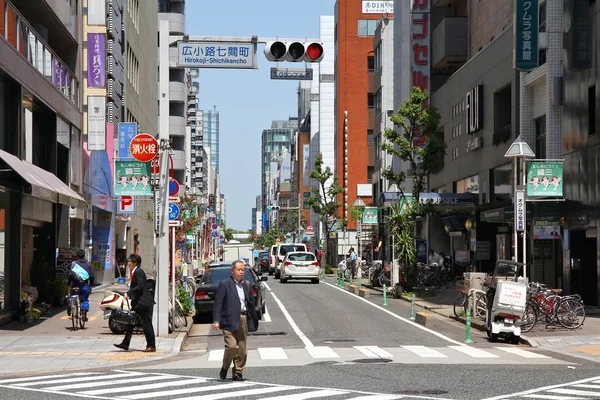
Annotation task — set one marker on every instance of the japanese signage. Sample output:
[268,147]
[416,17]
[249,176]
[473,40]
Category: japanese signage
[126,205]
[420,61]
[132,178]
[544,178]
[96,123]
[292,74]
[474,144]
[101,242]
[474,109]
[96,60]
[143,147]
[526,35]
[157,211]
[60,75]
[370,216]
[520,210]
[216,55]
[377,7]
[305,166]
[546,230]
[127,131]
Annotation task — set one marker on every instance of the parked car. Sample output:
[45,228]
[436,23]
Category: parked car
[216,264]
[273,264]
[282,250]
[299,265]
[263,262]
[208,284]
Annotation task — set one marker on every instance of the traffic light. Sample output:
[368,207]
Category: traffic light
[294,51]
[276,208]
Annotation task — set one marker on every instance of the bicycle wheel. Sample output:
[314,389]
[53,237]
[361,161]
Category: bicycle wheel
[81,314]
[528,319]
[181,317]
[190,284]
[74,312]
[480,306]
[570,313]
[460,305]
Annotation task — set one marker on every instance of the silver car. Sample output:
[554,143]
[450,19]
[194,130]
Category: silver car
[299,265]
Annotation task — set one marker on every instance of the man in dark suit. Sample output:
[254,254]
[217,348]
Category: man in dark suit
[233,306]
[141,302]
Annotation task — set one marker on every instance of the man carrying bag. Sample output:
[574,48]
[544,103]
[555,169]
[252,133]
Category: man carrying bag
[234,313]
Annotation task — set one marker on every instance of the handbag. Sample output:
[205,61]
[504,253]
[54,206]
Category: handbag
[124,317]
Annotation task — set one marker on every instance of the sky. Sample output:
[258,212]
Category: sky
[248,100]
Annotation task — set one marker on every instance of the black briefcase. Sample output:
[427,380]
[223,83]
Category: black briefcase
[124,317]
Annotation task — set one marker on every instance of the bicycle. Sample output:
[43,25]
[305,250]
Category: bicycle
[75,309]
[568,311]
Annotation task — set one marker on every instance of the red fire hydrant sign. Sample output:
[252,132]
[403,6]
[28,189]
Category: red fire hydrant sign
[143,147]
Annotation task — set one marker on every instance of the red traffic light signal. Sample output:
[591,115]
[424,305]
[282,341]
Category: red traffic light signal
[294,51]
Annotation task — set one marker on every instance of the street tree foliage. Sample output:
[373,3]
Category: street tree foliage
[288,221]
[414,140]
[267,239]
[228,234]
[323,199]
[189,215]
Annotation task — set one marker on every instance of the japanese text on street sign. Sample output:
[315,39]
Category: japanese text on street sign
[526,35]
[143,147]
[520,210]
[377,7]
[127,131]
[544,178]
[420,61]
[299,74]
[216,55]
[132,178]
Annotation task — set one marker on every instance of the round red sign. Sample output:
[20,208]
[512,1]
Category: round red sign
[143,147]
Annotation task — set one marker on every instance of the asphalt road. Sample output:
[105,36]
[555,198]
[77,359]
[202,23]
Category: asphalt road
[320,342]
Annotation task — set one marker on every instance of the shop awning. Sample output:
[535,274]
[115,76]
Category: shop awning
[36,185]
[66,195]
[41,183]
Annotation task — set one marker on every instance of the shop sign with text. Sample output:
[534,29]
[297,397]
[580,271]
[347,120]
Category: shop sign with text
[545,178]
[132,178]
[526,35]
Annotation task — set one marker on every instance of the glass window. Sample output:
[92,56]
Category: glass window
[371,63]
[75,157]
[370,138]
[371,100]
[371,27]
[540,137]
[592,109]
[503,177]
[467,185]
[362,27]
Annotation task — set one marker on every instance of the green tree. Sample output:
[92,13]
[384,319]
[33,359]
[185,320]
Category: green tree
[188,206]
[416,141]
[267,239]
[288,221]
[228,234]
[323,199]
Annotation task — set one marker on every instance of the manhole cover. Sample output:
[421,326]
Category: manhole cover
[418,392]
[267,334]
[339,340]
[372,360]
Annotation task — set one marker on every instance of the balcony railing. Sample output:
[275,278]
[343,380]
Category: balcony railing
[502,135]
[22,37]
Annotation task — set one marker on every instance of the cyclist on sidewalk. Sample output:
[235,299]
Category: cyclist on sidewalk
[84,285]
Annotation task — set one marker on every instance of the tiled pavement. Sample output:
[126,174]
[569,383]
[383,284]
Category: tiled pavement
[50,344]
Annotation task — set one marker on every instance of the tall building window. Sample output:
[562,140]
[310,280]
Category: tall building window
[370,138]
[542,22]
[371,100]
[592,110]
[367,27]
[371,63]
[540,137]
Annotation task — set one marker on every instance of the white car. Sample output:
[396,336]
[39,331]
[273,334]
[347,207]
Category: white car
[299,265]
[282,251]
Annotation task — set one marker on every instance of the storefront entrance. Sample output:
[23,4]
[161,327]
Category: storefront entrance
[584,274]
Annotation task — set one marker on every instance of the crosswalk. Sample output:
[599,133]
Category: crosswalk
[132,385]
[583,389]
[274,356]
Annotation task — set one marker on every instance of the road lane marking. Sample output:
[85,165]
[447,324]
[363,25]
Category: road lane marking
[574,392]
[541,389]
[114,382]
[176,392]
[272,353]
[367,352]
[42,377]
[238,393]
[290,320]
[147,387]
[216,355]
[309,395]
[380,352]
[266,316]
[521,352]
[444,337]
[550,397]
[321,352]
[424,352]
[473,352]
[82,379]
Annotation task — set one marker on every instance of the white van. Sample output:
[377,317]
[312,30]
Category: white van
[273,264]
[282,250]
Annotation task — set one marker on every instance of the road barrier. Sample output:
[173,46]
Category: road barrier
[412,308]
[468,325]
[384,295]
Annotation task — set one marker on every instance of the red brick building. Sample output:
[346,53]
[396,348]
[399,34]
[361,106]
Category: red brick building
[355,24]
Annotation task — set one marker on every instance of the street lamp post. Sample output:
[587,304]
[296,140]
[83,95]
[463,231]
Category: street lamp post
[520,150]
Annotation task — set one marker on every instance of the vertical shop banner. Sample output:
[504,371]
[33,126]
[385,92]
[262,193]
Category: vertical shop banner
[520,210]
[56,73]
[127,131]
[96,60]
[132,178]
[545,178]
[370,216]
[96,123]
[102,251]
[526,34]
[305,164]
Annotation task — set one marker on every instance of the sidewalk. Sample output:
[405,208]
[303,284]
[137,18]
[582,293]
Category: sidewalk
[50,344]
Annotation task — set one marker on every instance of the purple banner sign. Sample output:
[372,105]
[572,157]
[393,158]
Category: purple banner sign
[96,60]
[56,72]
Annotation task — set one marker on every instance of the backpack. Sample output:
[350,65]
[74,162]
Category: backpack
[79,274]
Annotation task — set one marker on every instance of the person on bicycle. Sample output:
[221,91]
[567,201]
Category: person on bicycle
[84,287]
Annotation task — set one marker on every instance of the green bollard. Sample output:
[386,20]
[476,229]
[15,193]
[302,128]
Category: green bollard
[468,324]
[350,280]
[337,278]
[384,295]
[412,308]
[359,282]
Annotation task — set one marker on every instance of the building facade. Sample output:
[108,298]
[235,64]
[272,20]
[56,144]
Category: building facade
[211,135]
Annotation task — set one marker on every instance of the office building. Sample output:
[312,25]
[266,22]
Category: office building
[211,135]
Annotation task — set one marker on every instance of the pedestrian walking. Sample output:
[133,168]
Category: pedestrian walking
[233,311]
[352,257]
[83,285]
[142,302]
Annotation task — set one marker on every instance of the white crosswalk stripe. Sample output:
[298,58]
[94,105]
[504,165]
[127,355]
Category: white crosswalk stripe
[272,356]
[583,389]
[171,386]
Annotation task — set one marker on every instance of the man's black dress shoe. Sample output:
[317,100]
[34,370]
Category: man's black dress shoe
[122,346]
[223,373]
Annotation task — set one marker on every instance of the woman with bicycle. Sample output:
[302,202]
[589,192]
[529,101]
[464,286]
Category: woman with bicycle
[142,303]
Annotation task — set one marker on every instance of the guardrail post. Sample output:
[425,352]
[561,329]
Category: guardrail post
[412,308]
[468,325]
[384,295]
